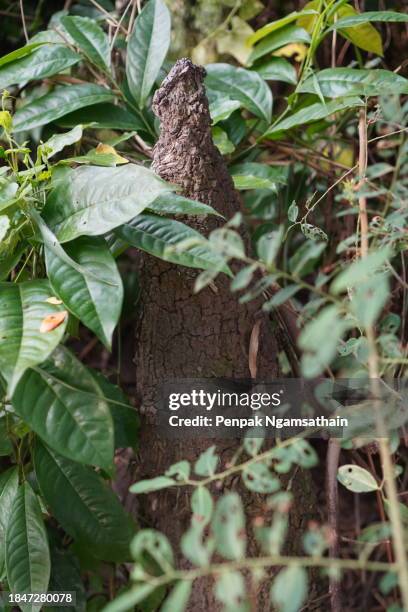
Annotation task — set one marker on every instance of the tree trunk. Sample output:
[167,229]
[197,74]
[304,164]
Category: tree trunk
[183,335]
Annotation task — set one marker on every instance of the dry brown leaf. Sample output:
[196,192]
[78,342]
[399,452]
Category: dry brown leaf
[52,321]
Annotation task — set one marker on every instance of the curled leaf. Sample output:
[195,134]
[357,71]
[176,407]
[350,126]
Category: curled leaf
[104,149]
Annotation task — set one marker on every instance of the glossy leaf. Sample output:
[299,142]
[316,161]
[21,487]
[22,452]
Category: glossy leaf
[314,112]
[356,479]
[52,398]
[59,102]
[106,116]
[23,307]
[287,35]
[94,200]
[277,69]
[243,85]
[8,491]
[160,237]
[43,61]
[58,142]
[19,53]
[222,108]
[84,505]
[90,38]
[337,82]
[94,295]
[147,49]
[27,552]
[174,204]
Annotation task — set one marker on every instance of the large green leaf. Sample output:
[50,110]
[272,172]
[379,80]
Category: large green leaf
[336,82]
[90,38]
[43,61]
[314,112]
[286,36]
[243,85]
[278,24]
[103,116]
[147,48]
[277,69]
[62,100]
[363,35]
[8,491]
[161,237]
[62,403]
[23,307]
[93,200]
[27,552]
[84,505]
[368,17]
[94,295]
[66,576]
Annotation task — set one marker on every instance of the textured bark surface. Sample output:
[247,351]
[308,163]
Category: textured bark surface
[182,335]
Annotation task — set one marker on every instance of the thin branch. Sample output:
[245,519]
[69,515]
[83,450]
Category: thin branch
[23,21]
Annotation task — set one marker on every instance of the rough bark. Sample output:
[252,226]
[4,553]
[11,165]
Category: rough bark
[182,335]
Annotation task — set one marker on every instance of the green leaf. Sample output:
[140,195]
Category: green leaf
[61,101]
[289,589]
[285,36]
[356,479]
[180,470]
[178,598]
[27,552]
[281,297]
[278,24]
[249,171]
[369,298]
[337,82]
[129,599]
[93,200]
[23,308]
[95,298]
[6,447]
[147,49]
[229,527]
[153,484]
[363,35]
[19,53]
[4,226]
[164,238]
[66,576]
[293,212]
[101,116]
[314,112]
[202,507]
[243,85]
[154,543]
[221,140]
[269,244]
[43,61]
[258,478]
[277,69]
[174,204]
[193,547]
[90,38]
[368,17]
[8,491]
[207,462]
[360,270]
[222,108]
[230,591]
[94,515]
[58,142]
[61,402]
[126,422]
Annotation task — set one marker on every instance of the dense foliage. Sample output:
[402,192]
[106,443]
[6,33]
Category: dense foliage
[322,172]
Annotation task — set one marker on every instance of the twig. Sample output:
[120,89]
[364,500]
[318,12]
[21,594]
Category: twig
[332,465]
[23,21]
